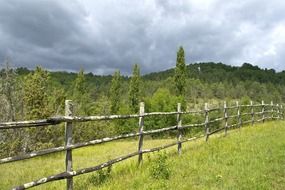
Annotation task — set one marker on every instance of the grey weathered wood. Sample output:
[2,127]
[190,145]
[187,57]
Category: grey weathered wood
[59,119]
[179,131]
[207,129]
[272,109]
[226,117]
[278,111]
[193,112]
[214,109]
[232,107]
[239,118]
[216,131]
[215,120]
[68,142]
[263,111]
[252,113]
[141,126]
[256,105]
[24,124]
[192,125]
[89,143]
[282,111]
[265,118]
[65,175]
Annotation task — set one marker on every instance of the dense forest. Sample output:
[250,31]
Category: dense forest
[35,94]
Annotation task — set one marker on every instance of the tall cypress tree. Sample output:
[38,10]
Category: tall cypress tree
[180,72]
[134,89]
[115,92]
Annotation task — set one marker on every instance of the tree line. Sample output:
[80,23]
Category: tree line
[40,94]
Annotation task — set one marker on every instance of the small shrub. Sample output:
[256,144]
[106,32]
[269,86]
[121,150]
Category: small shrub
[159,168]
[100,176]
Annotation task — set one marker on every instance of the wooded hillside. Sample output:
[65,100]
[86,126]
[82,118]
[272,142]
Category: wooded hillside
[36,94]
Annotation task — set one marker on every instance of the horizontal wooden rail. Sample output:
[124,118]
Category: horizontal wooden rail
[59,119]
[23,124]
[275,112]
[216,120]
[214,109]
[232,107]
[233,125]
[192,125]
[246,122]
[260,120]
[216,131]
[232,116]
[193,112]
[80,145]
[65,175]
[247,106]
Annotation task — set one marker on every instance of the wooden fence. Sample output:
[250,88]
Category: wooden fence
[267,112]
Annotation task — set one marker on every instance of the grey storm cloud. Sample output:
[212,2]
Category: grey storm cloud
[105,35]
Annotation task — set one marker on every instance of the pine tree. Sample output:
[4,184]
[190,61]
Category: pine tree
[134,89]
[180,73]
[115,92]
[80,87]
[80,94]
[36,95]
[36,107]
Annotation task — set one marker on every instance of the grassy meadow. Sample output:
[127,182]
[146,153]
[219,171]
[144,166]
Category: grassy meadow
[250,158]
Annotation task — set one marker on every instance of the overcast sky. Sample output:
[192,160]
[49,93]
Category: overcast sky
[104,35]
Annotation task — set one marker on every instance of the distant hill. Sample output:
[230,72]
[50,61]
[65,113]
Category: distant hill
[218,72]
[209,72]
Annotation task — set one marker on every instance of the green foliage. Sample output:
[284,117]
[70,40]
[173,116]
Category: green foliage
[180,72]
[160,168]
[80,86]
[36,94]
[80,94]
[9,90]
[100,176]
[36,107]
[115,92]
[134,89]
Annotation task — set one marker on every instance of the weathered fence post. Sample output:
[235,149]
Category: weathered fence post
[68,142]
[179,125]
[278,112]
[238,114]
[226,117]
[282,112]
[263,111]
[272,110]
[207,130]
[141,125]
[252,113]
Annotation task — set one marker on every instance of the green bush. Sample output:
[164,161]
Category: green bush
[159,168]
[100,176]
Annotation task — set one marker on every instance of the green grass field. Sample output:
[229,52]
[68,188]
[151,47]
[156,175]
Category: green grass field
[250,158]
